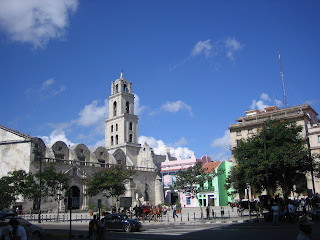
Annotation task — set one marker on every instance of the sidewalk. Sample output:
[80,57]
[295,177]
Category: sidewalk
[193,216]
[187,216]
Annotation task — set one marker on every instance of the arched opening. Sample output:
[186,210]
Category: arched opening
[117,88]
[115,109]
[111,140]
[125,87]
[111,128]
[117,127]
[127,107]
[130,138]
[130,126]
[117,139]
[120,156]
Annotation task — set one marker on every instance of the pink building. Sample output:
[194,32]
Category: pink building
[168,172]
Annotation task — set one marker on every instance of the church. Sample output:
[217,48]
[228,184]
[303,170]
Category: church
[18,151]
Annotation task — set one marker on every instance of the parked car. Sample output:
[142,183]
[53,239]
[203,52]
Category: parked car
[120,221]
[34,232]
[5,214]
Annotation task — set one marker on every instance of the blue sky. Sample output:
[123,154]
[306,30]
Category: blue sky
[195,66]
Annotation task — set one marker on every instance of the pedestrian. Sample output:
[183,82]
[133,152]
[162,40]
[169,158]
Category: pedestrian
[291,211]
[93,228]
[275,210]
[303,204]
[101,229]
[14,231]
[175,211]
[305,227]
[222,212]
[208,211]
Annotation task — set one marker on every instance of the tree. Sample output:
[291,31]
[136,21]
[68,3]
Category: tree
[16,183]
[193,179]
[272,158]
[52,182]
[27,185]
[111,181]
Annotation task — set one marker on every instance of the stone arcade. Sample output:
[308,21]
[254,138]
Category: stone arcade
[78,162]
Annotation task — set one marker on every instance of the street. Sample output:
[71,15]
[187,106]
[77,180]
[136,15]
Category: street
[257,230]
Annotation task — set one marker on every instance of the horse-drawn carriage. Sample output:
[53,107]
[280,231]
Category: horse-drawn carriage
[251,207]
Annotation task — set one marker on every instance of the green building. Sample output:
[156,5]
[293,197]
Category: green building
[214,192]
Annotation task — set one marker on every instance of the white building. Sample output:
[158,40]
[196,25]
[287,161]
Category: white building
[17,151]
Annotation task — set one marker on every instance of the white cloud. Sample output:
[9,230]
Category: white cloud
[278,103]
[35,21]
[223,142]
[92,114]
[202,47]
[176,106]
[265,97]
[46,89]
[56,135]
[182,141]
[216,50]
[137,108]
[232,46]
[47,83]
[99,143]
[159,147]
[221,156]
[258,105]
[264,102]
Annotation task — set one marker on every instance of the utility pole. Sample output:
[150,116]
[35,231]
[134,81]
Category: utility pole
[282,77]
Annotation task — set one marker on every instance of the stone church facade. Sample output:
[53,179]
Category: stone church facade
[78,162]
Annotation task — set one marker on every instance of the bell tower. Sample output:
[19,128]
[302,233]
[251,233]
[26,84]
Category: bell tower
[121,128]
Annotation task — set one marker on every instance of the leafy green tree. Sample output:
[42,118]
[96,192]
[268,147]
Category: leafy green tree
[193,179]
[7,196]
[16,183]
[111,181]
[52,182]
[27,185]
[272,158]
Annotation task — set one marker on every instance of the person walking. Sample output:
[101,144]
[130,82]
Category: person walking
[291,211]
[208,211]
[276,211]
[101,229]
[175,211]
[93,228]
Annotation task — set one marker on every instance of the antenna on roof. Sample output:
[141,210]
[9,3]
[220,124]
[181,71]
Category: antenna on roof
[283,88]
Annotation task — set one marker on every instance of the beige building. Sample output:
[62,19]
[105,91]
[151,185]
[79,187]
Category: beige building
[303,115]
[78,162]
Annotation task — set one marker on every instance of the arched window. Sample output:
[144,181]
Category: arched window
[117,127]
[125,88]
[117,88]
[130,126]
[130,138]
[127,107]
[115,109]
[111,128]
[117,139]
[111,140]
